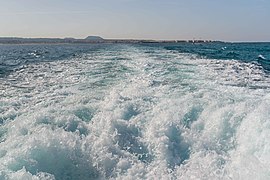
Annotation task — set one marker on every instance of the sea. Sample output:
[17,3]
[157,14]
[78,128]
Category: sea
[135,111]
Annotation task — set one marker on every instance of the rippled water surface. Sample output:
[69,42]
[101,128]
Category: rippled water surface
[123,111]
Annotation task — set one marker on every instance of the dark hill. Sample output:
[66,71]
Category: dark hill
[94,38]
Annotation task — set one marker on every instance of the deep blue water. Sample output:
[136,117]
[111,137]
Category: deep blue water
[13,56]
[135,111]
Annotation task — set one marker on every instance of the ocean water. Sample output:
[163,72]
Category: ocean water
[135,111]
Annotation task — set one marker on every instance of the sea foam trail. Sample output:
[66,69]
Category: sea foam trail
[130,112]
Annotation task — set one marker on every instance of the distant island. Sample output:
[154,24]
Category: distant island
[89,39]
[94,38]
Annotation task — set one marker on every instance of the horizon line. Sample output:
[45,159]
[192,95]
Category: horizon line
[142,39]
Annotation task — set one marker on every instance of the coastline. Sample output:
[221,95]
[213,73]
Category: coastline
[15,40]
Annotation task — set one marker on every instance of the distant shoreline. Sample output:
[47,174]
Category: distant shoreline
[89,40]
[99,40]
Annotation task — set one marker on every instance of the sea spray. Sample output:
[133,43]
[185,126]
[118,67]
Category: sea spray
[134,112]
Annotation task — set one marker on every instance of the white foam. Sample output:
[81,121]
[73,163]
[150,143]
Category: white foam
[158,115]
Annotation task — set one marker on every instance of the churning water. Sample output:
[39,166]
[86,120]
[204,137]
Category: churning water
[123,111]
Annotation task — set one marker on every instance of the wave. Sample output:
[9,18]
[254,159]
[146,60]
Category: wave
[135,112]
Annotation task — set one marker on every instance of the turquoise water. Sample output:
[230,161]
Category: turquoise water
[135,111]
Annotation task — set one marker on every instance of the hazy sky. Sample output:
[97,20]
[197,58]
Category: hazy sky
[230,20]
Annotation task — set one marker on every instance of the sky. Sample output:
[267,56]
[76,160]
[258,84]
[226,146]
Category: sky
[227,20]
